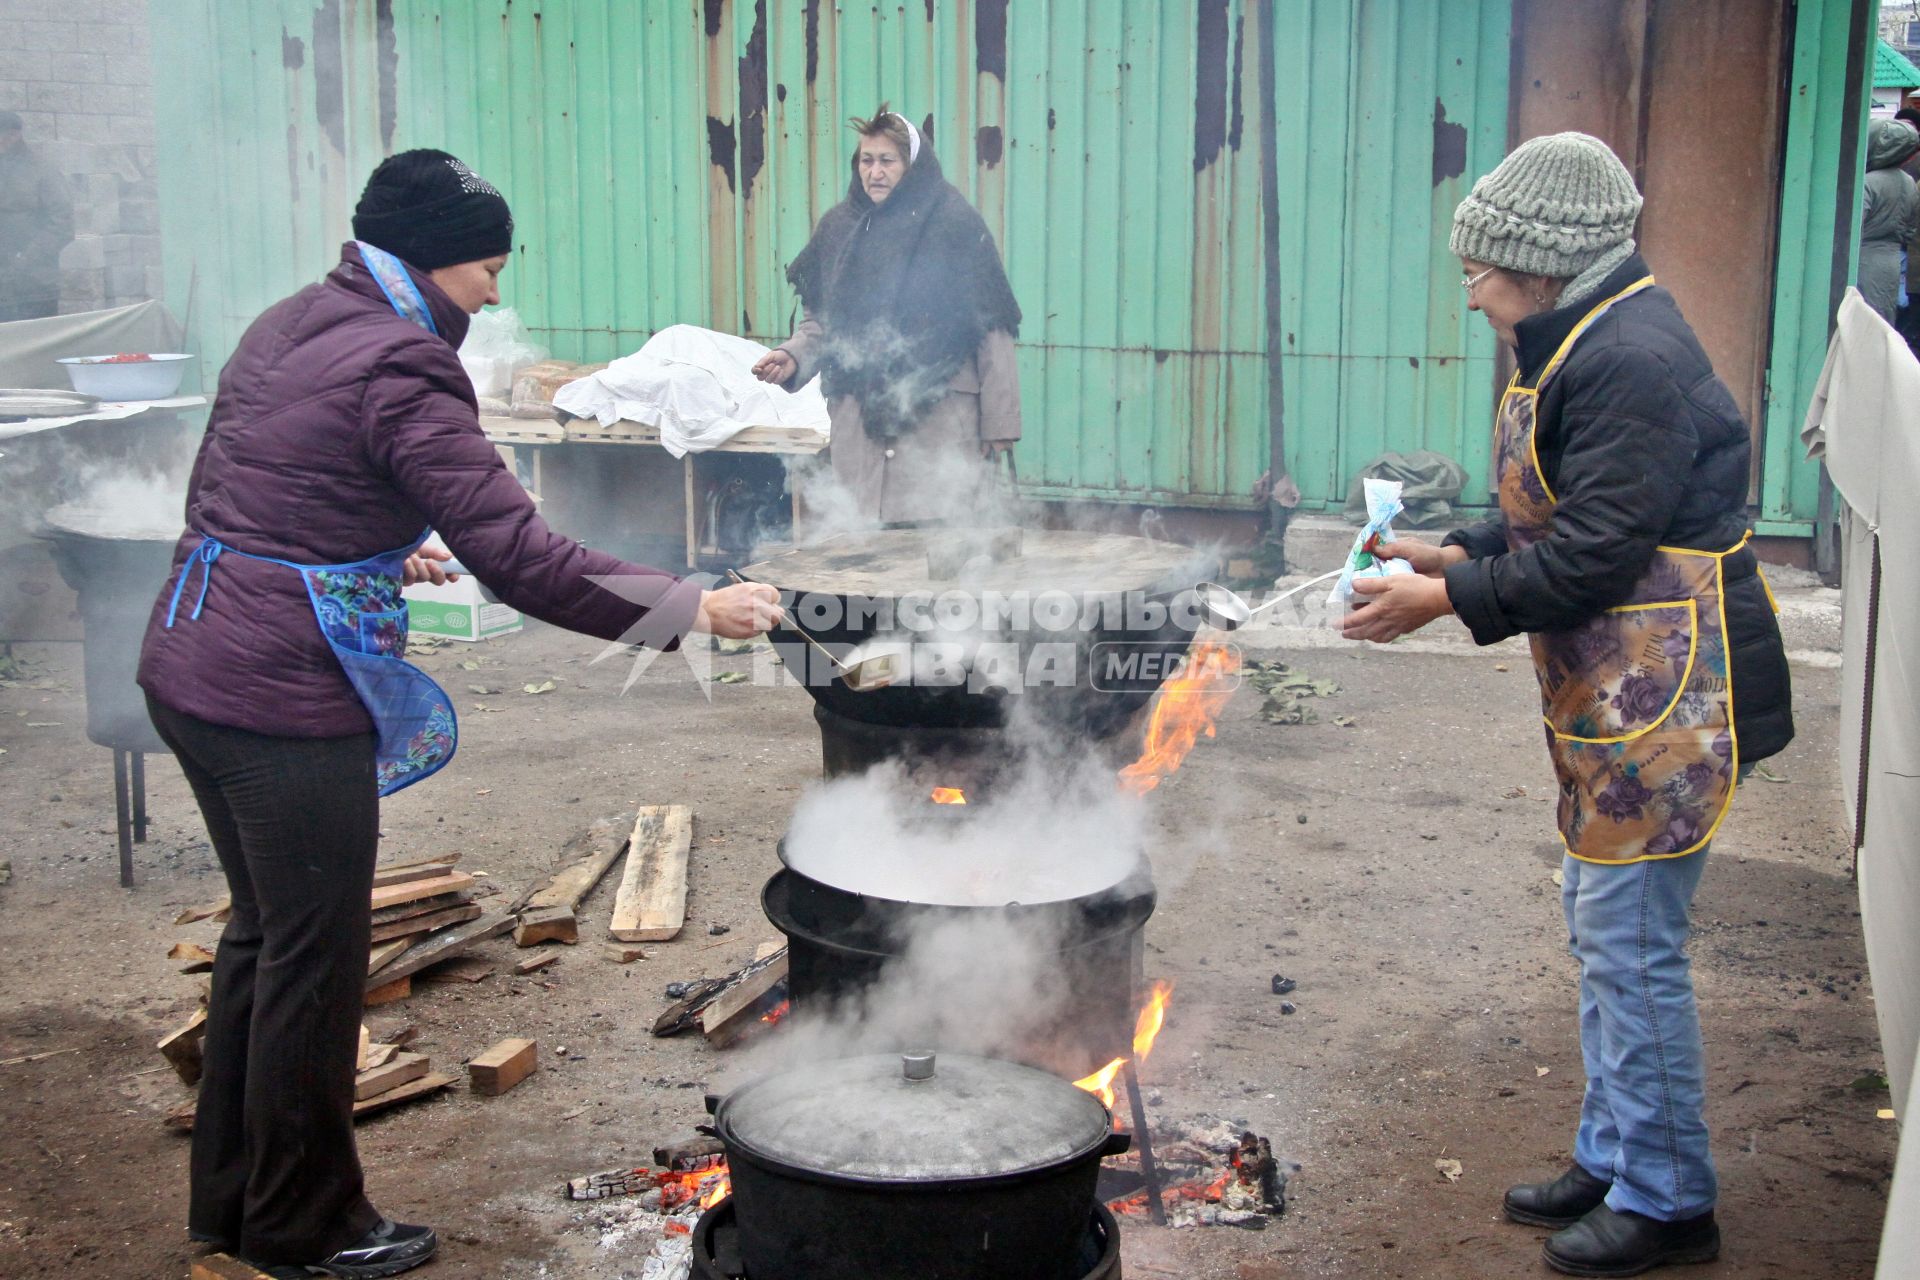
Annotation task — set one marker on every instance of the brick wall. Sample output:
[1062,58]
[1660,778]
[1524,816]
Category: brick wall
[80,74]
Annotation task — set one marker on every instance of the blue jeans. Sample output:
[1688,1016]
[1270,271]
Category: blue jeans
[1641,1125]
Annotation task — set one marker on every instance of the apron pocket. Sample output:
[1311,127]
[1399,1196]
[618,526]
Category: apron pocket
[384,633]
[1618,675]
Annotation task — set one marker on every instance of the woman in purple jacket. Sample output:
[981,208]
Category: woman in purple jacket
[343,429]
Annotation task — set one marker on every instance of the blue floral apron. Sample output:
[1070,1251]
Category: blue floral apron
[362,616]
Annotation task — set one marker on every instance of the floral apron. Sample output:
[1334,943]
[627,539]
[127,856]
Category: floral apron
[1638,700]
[362,616]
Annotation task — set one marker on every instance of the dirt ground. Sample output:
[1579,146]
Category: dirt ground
[1399,869]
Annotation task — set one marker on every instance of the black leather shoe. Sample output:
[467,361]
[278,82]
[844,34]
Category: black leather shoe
[1560,1203]
[1609,1243]
[387,1250]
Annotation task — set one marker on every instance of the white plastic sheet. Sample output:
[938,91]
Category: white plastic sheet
[1862,422]
[697,387]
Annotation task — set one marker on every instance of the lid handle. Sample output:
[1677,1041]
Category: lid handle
[917,1066]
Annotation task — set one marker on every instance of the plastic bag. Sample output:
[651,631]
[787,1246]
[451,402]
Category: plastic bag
[1383,504]
[497,346]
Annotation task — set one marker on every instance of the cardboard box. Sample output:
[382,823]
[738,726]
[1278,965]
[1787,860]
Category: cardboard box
[460,610]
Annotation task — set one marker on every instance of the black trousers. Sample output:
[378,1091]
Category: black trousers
[295,822]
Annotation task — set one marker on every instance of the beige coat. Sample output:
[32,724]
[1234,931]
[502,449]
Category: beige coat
[935,471]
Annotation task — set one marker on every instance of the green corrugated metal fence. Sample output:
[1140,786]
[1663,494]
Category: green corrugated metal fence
[666,159]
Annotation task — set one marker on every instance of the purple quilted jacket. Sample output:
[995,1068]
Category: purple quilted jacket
[341,430]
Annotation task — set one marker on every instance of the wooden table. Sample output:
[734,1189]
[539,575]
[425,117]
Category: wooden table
[538,434]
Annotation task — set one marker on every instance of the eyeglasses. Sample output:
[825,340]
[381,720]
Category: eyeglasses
[1472,281]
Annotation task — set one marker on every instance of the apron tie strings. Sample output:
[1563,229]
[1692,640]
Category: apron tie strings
[203,555]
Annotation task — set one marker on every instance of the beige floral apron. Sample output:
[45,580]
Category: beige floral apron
[1638,700]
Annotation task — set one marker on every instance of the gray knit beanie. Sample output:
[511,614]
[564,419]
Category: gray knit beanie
[1554,207]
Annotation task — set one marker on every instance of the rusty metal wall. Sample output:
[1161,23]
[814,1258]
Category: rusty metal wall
[666,159]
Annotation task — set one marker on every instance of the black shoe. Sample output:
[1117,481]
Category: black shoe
[1560,1203]
[387,1250]
[1609,1243]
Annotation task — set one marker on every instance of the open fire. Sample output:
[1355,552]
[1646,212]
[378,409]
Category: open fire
[1146,1029]
[949,795]
[1184,711]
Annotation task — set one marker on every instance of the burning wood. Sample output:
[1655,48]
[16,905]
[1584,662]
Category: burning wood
[1184,710]
[1199,1192]
[949,795]
[667,1191]
[1146,1029]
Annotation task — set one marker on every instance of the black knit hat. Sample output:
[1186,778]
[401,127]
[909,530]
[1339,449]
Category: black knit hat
[429,210]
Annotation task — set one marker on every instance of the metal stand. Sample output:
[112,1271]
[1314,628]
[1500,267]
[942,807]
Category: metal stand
[1143,1142]
[129,807]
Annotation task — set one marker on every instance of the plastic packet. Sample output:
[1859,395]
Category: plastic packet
[496,347]
[1383,504]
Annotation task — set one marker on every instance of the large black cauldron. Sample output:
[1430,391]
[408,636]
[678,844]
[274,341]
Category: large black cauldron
[840,943]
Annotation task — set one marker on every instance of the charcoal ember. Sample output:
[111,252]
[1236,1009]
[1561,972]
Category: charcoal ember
[676,990]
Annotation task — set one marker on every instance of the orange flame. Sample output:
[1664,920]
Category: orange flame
[1153,1016]
[772,1016]
[716,1190]
[1101,1082]
[949,795]
[706,1186]
[1184,709]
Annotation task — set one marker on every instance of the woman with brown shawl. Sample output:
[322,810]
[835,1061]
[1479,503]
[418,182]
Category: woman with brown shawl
[909,321]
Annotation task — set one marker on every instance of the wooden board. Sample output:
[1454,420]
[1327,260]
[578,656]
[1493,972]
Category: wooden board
[413,890]
[413,910]
[387,952]
[599,847]
[503,1066]
[432,1082]
[724,1018]
[427,922]
[651,905]
[217,910]
[378,1055]
[442,946]
[387,992]
[459,969]
[547,924]
[624,952]
[533,964]
[402,872]
[402,1069]
[194,957]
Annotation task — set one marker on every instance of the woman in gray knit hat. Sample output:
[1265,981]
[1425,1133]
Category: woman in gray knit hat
[1621,550]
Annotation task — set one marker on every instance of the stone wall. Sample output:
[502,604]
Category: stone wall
[80,74]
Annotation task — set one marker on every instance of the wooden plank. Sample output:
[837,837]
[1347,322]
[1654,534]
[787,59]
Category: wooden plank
[427,923]
[723,1019]
[402,1069]
[503,1066]
[624,952]
[360,1062]
[414,910]
[387,952]
[548,924]
[219,1266]
[217,910]
[533,964]
[432,1082]
[444,945]
[413,890]
[388,992]
[402,872]
[378,1055]
[181,1048]
[651,905]
[604,840]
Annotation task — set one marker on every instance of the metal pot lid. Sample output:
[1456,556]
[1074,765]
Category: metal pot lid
[894,562]
[913,1118]
[156,519]
[37,402]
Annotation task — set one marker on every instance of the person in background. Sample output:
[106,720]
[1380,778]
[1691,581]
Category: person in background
[273,665]
[910,321]
[1621,550]
[1889,209]
[1907,319]
[36,223]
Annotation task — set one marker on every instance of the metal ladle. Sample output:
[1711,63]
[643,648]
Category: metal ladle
[863,676]
[1225,610]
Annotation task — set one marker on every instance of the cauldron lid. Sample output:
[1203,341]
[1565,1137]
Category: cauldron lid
[886,563]
[114,523]
[868,1119]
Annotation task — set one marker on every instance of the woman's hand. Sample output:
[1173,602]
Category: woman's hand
[1425,558]
[424,566]
[739,612]
[777,367]
[1394,606]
